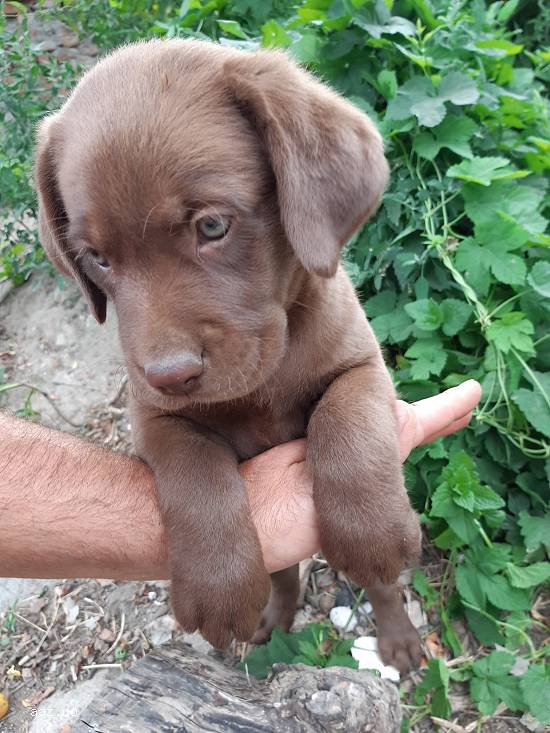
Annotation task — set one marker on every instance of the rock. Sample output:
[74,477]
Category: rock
[416,614]
[344,597]
[48,44]
[326,602]
[63,708]
[68,38]
[176,688]
[160,630]
[342,617]
[88,48]
[532,724]
[366,608]
[365,651]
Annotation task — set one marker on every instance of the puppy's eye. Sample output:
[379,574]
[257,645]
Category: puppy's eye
[213,227]
[99,259]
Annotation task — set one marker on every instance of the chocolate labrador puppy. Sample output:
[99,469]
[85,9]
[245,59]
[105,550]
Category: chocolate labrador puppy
[207,192]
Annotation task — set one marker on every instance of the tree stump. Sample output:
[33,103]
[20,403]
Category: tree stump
[177,690]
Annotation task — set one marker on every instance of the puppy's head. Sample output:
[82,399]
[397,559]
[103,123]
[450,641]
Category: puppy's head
[195,186]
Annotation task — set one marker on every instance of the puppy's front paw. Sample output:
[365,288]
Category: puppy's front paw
[225,605]
[371,546]
[399,644]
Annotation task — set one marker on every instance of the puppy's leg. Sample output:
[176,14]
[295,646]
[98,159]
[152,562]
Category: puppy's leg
[368,528]
[219,582]
[281,608]
[398,640]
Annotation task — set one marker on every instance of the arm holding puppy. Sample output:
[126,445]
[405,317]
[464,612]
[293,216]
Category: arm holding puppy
[73,509]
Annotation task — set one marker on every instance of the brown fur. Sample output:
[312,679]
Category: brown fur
[156,136]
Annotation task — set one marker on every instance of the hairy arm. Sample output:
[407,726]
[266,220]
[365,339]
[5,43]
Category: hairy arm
[69,508]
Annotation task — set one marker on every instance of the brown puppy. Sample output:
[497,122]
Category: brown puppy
[207,193]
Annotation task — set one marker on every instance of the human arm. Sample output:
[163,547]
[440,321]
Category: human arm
[69,508]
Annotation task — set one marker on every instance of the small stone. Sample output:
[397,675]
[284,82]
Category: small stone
[106,635]
[88,48]
[68,38]
[365,608]
[416,614]
[47,44]
[325,704]
[160,630]
[342,617]
[365,651]
[344,597]
[326,602]
[532,723]
[520,667]
[71,609]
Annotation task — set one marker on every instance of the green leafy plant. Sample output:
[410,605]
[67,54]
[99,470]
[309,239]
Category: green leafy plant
[317,645]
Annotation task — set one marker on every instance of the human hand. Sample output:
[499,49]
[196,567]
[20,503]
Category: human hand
[281,490]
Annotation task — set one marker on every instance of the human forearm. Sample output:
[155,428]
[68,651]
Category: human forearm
[72,509]
[69,508]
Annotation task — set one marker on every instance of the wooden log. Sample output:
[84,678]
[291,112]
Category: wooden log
[177,690]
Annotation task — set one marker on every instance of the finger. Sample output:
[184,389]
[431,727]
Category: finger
[450,429]
[410,430]
[435,414]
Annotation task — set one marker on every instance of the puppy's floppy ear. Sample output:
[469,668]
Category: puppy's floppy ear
[53,221]
[327,156]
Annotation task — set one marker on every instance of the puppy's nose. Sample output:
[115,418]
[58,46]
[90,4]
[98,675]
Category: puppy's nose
[176,374]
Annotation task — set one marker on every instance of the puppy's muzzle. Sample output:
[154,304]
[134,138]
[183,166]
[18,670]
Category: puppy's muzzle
[175,374]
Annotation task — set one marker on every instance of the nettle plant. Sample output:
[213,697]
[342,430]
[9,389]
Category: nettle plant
[454,272]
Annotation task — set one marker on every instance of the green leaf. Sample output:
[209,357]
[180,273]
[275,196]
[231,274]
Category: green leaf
[380,304]
[469,585]
[511,330]
[502,595]
[436,681]
[456,314]
[273,34]
[535,530]
[233,28]
[535,685]
[424,589]
[426,145]
[387,83]
[453,133]
[257,662]
[492,683]
[484,628]
[342,660]
[539,278]
[459,519]
[491,247]
[501,234]
[429,358]
[534,406]
[529,576]
[378,21]
[499,47]
[281,648]
[426,313]
[458,88]
[484,170]
[518,201]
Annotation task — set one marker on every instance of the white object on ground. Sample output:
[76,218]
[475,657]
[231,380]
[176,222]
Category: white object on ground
[343,618]
[365,651]
[366,608]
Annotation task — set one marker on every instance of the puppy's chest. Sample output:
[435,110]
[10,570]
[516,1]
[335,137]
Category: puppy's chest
[252,432]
